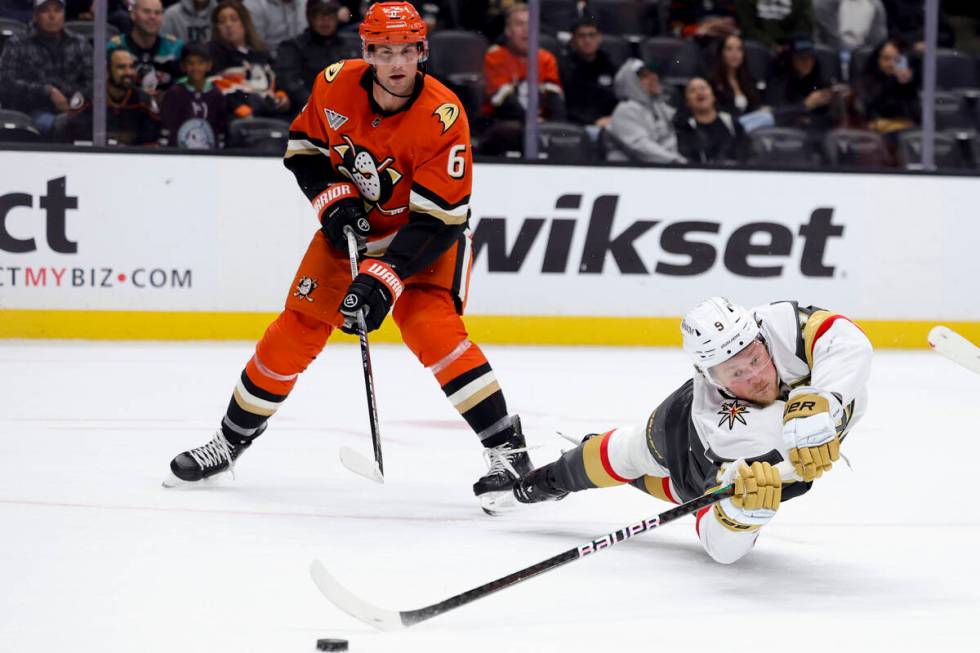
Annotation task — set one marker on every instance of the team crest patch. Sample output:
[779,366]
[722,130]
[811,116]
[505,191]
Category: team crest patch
[375,178]
[334,119]
[448,113]
[305,288]
[331,71]
[731,412]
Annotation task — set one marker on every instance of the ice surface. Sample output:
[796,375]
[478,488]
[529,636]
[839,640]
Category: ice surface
[96,556]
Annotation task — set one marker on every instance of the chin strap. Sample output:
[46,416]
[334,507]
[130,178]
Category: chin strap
[374,75]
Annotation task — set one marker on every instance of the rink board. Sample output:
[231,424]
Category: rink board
[122,246]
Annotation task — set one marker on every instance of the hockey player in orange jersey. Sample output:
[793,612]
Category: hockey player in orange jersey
[385,150]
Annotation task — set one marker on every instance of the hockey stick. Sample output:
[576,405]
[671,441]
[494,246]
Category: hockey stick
[386,619]
[955,347]
[350,458]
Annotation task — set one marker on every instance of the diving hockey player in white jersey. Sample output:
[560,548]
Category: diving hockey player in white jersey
[778,382]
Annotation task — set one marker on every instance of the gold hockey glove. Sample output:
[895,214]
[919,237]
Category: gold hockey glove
[810,421]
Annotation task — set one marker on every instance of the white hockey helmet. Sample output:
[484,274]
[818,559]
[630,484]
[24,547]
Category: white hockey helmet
[715,330]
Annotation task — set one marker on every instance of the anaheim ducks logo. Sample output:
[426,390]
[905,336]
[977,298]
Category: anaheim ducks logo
[448,113]
[731,412]
[331,71]
[376,180]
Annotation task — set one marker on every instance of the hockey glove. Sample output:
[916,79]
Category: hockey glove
[375,289]
[340,206]
[810,421]
[758,491]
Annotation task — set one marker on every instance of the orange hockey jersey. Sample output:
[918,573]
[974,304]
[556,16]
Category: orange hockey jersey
[413,167]
[506,73]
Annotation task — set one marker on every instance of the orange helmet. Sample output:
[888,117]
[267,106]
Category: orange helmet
[392,22]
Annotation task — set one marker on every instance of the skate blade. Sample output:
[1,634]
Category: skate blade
[172,482]
[497,503]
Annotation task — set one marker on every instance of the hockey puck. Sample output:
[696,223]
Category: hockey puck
[331,644]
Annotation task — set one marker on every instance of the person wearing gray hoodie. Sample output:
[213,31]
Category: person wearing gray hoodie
[189,20]
[642,123]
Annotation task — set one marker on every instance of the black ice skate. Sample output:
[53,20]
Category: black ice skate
[203,462]
[539,485]
[508,462]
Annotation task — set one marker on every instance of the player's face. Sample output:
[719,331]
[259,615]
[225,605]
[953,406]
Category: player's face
[749,375]
[395,65]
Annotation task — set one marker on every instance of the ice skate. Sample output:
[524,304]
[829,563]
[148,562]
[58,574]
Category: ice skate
[205,462]
[508,462]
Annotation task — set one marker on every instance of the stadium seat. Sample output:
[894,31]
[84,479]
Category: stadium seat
[955,70]
[550,43]
[563,142]
[9,28]
[677,60]
[859,59]
[829,61]
[558,16]
[951,112]
[855,147]
[617,48]
[457,55]
[781,146]
[622,17]
[86,28]
[17,127]
[947,153]
[268,135]
[350,40]
[758,58]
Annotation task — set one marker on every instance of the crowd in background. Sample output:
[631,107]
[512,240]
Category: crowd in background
[806,82]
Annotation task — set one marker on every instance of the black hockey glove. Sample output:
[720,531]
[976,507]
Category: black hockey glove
[340,206]
[375,289]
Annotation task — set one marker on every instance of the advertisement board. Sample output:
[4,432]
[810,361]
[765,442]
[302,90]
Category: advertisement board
[556,246]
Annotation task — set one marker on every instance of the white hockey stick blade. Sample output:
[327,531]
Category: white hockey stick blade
[352,604]
[361,465]
[955,347]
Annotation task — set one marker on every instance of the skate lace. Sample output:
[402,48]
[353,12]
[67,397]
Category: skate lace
[499,457]
[214,453]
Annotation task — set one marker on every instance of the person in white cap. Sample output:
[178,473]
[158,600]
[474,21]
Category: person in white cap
[777,382]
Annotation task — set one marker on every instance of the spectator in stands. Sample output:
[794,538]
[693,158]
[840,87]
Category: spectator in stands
[705,134]
[505,71]
[906,24]
[800,93]
[132,117]
[242,65]
[47,72]
[505,68]
[642,127]
[736,91]
[702,19]
[300,59]
[194,112]
[850,24]
[189,20]
[156,53]
[277,20]
[587,76]
[888,90]
[773,22]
